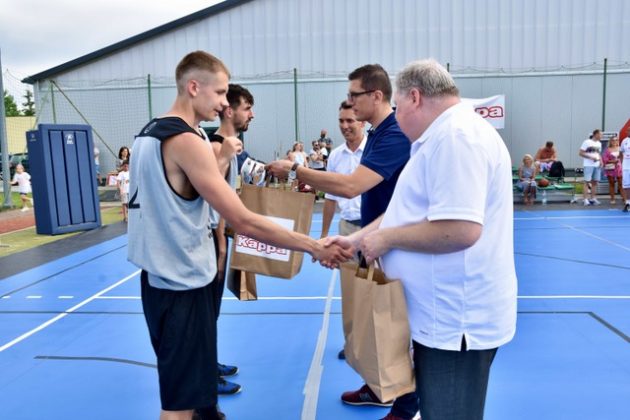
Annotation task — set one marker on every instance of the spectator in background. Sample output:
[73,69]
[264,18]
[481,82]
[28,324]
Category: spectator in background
[299,155]
[22,179]
[123,155]
[611,159]
[328,143]
[97,166]
[527,179]
[625,170]
[122,179]
[324,152]
[545,157]
[316,157]
[591,150]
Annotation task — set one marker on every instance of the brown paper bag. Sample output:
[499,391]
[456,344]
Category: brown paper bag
[376,329]
[289,209]
[242,284]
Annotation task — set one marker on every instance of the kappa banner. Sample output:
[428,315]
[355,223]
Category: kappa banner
[250,246]
[492,109]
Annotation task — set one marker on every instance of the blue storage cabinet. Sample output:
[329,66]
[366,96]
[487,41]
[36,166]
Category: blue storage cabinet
[63,176]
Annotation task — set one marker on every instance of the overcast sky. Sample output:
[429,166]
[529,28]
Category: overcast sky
[36,35]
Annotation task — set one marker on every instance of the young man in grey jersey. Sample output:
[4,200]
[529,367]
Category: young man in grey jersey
[175,177]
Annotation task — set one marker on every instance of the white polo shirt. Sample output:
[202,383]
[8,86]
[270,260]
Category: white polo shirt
[459,169]
[344,161]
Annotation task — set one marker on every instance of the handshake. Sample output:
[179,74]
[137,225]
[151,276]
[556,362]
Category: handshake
[332,251]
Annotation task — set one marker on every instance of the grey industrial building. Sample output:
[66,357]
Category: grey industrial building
[563,66]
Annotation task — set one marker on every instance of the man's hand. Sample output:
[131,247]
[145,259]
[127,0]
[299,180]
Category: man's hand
[332,255]
[231,147]
[373,245]
[343,241]
[280,168]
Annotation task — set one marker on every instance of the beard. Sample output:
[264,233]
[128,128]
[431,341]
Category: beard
[242,127]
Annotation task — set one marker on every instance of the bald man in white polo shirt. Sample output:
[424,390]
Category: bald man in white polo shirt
[448,235]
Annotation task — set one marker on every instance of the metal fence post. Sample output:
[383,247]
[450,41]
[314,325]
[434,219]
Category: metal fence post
[4,145]
[295,105]
[150,100]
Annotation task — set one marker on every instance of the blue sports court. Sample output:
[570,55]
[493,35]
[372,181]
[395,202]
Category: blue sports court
[73,340]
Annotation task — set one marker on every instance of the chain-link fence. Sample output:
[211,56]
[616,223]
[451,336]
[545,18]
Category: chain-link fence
[562,105]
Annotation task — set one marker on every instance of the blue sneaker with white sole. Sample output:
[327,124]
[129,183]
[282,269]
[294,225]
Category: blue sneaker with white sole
[226,370]
[227,387]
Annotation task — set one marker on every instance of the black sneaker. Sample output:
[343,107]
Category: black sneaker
[341,355]
[227,387]
[226,370]
[626,208]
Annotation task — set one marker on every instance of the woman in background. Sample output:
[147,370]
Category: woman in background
[527,179]
[612,168]
[123,155]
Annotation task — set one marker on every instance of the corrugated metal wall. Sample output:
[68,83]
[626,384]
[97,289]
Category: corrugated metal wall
[325,39]
[332,37]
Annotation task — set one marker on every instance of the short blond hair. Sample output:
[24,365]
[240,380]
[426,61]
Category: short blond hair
[197,60]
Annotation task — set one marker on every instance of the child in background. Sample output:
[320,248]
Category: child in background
[123,187]
[23,180]
[527,179]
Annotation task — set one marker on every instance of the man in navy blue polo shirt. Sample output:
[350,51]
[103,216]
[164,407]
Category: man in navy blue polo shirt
[384,157]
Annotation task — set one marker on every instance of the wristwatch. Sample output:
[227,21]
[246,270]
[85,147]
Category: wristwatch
[293,171]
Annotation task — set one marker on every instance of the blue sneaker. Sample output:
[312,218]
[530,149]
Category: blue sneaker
[226,370]
[227,387]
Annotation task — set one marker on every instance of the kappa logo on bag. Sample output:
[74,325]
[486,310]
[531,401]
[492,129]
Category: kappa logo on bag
[250,246]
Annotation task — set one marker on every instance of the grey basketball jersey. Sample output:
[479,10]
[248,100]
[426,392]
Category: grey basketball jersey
[168,235]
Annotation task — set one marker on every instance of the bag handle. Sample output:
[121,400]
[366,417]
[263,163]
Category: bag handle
[370,269]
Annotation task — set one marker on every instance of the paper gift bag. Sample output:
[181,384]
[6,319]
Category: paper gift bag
[289,209]
[242,284]
[376,329]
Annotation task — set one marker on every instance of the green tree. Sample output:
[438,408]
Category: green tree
[29,105]
[10,107]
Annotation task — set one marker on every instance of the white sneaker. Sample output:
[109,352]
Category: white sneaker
[595,202]
[24,209]
[587,203]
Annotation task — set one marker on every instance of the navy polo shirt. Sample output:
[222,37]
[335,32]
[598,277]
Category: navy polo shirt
[386,153]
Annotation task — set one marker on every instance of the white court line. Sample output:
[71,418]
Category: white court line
[33,297]
[569,217]
[65,297]
[233,298]
[339,297]
[574,297]
[314,377]
[598,237]
[62,315]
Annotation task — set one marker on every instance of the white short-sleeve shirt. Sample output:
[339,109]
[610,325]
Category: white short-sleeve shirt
[24,182]
[594,149]
[123,178]
[459,169]
[342,160]
[624,149]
